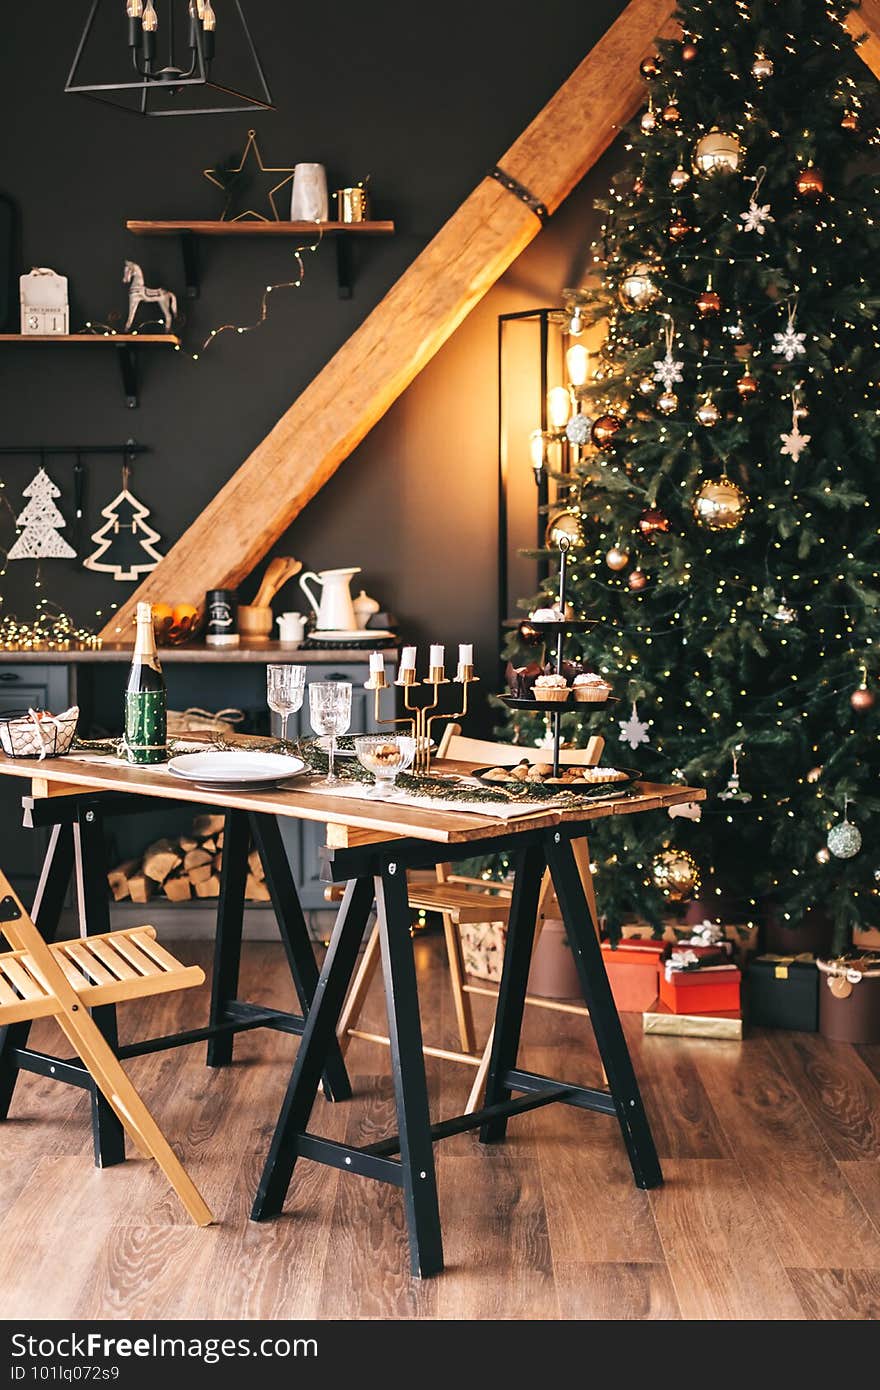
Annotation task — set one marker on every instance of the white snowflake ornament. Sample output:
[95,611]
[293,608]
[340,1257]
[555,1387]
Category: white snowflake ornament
[666,369]
[754,217]
[794,443]
[634,730]
[790,343]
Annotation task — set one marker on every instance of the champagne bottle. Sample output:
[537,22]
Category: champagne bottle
[146,701]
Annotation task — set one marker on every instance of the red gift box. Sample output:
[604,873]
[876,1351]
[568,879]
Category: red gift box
[632,969]
[701,991]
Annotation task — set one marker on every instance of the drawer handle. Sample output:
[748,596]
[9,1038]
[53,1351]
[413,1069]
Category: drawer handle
[9,676]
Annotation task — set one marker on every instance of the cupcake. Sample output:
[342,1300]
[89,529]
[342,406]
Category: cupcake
[546,615]
[591,689]
[551,688]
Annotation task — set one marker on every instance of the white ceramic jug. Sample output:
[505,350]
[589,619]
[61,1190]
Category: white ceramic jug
[293,629]
[334,609]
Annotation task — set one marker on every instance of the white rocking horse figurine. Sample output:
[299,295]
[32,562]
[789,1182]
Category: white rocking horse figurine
[138,293]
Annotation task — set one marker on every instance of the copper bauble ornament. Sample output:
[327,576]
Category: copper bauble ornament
[566,525]
[646,385]
[719,152]
[616,559]
[667,403]
[678,178]
[676,873]
[649,120]
[708,302]
[823,855]
[814,774]
[637,289]
[862,699]
[679,226]
[638,185]
[708,413]
[762,67]
[604,429]
[670,114]
[650,67]
[653,521]
[689,51]
[747,386]
[637,580]
[809,183]
[849,120]
[719,504]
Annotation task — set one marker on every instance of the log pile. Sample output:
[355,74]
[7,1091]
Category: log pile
[185,867]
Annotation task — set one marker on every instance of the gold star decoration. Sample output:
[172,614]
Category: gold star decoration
[242,179]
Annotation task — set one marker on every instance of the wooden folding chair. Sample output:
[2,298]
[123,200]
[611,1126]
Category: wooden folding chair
[461,900]
[64,981]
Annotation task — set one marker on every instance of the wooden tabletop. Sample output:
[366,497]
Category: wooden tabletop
[65,777]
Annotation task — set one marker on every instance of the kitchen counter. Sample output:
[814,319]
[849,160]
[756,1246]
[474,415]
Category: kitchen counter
[255,653]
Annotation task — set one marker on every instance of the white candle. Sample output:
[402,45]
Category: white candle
[465,654]
[408,659]
[377,664]
[437,654]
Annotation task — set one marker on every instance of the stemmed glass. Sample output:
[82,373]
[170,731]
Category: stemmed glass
[285,687]
[330,713]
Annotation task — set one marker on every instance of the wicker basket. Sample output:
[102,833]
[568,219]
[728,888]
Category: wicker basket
[201,721]
[37,733]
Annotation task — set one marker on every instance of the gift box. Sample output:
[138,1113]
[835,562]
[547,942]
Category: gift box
[783,992]
[633,968]
[725,1024]
[706,990]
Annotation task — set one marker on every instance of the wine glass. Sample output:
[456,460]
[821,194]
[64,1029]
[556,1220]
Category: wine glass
[330,713]
[285,687]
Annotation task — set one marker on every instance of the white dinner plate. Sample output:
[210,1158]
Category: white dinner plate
[235,768]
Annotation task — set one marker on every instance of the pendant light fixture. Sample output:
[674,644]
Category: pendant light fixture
[181,60]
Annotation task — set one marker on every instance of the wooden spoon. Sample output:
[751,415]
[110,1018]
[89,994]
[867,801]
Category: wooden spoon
[278,571]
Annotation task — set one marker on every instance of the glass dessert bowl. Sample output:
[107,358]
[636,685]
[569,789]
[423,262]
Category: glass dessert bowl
[385,755]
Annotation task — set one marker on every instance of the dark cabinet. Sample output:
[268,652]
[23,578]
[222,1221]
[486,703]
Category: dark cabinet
[21,851]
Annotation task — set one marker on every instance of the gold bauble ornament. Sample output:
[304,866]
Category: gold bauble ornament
[637,580]
[649,120]
[708,413]
[616,559]
[676,873]
[670,115]
[689,51]
[719,504]
[814,774]
[678,178]
[604,429]
[679,226]
[762,67]
[565,524]
[646,385]
[667,403]
[637,289]
[747,386]
[823,855]
[708,302]
[849,120]
[809,183]
[718,152]
[650,67]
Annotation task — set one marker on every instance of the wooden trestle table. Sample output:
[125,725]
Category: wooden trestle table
[370,847]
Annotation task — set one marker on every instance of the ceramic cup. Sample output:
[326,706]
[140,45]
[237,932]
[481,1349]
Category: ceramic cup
[292,628]
[309,201]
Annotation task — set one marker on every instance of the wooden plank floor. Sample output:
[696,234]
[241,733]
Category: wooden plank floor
[771,1207]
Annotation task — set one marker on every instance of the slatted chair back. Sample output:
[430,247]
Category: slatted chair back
[63,981]
[460,748]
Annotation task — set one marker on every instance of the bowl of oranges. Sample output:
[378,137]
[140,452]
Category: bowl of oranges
[175,624]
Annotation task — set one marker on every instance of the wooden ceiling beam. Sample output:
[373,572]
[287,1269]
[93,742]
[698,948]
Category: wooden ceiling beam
[401,335]
[866,20]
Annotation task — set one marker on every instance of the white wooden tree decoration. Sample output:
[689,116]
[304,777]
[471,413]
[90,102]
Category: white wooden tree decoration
[42,521]
[126,542]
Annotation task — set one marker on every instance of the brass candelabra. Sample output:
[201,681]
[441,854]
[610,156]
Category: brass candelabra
[420,717]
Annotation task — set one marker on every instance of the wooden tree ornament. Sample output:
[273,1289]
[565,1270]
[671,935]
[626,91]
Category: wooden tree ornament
[126,542]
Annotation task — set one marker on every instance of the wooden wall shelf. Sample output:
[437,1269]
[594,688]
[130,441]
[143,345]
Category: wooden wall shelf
[124,344]
[188,231]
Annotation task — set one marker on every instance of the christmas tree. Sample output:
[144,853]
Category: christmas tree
[126,543]
[41,520]
[726,496]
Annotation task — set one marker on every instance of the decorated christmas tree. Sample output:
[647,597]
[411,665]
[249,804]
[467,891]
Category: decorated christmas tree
[727,497]
[41,522]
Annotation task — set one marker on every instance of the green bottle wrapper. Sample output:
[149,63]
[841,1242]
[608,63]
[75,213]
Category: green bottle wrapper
[145,726]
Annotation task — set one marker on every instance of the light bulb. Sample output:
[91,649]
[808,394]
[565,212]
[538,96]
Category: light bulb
[134,8]
[536,450]
[209,19]
[577,360]
[558,406]
[151,19]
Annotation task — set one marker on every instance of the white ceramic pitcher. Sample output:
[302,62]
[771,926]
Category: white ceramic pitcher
[334,609]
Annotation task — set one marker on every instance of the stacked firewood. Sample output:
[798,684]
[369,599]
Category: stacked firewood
[184,867]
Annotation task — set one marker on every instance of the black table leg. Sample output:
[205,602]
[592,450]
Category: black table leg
[603,1012]
[46,913]
[295,937]
[408,1072]
[230,920]
[514,983]
[318,1036]
[91,876]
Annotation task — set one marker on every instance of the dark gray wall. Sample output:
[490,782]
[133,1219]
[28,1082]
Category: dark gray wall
[426,108]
